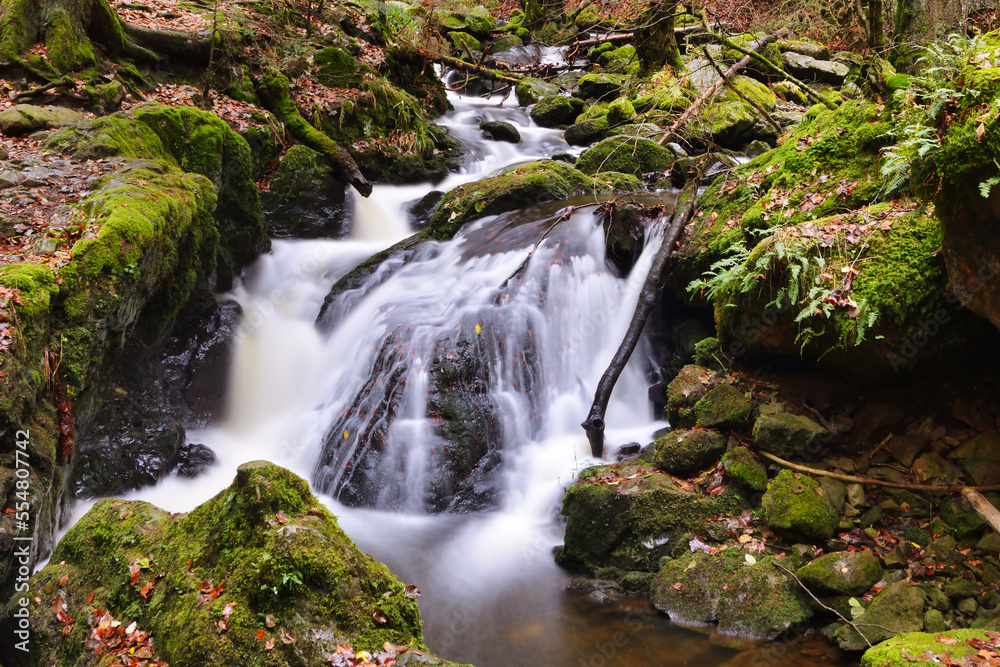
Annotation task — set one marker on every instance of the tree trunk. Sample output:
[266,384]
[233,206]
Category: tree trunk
[654,39]
[921,21]
[539,12]
[876,24]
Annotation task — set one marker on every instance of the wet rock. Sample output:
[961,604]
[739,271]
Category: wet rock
[599,86]
[193,459]
[755,148]
[618,518]
[420,211]
[555,111]
[905,448]
[530,90]
[808,68]
[744,469]
[980,457]
[723,407]
[24,119]
[898,609]
[504,43]
[265,539]
[586,132]
[601,591]
[756,601]
[790,436]
[305,200]
[684,452]
[620,111]
[842,573]
[685,390]
[947,647]
[500,131]
[627,155]
[795,504]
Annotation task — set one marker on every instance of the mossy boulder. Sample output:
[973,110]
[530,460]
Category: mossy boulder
[797,506]
[600,86]
[752,89]
[620,112]
[22,119]
[530,90]
[622,60]
[586,132]
[500,131]
[723,407]
[787,435]
[728,124]
[305,200]
[462,41]
[685,390]
[516,188]
[842,573]
[924,649]
[744,469]
[629,515]
[202,583]
[754,600]
[683,452]
[628,155]
[555,111]
[898,609]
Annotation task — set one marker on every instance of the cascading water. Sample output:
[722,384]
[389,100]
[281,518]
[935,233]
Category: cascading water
[522,312]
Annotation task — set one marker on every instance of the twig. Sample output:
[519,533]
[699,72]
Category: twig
[938,488]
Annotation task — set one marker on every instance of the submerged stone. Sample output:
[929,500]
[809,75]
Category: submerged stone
[305,200]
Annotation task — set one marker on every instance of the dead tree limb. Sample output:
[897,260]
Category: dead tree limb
[594,424]
[629,36]
[983,507]
[485,72]
[719,83]
[729,84]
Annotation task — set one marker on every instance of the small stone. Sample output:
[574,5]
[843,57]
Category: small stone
[990,574]
[787,435]
[990,543]
[847,465]
[899,556]
[843,573]
[934,621]
[967,606]
[856,495]
[796,504]
[935,597]
[980,457]
[44,246]
[942,545]
[961,588]
[932,468]
[743,468]
[905,448]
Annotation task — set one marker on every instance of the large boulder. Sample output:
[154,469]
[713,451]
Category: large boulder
[261,572]
[628,155]
[305,200]
[808,68]
[797,506]
[555,111]
[747,598]
[629,515]
[926,649]
[530,90]
[898,609]
[22,119]
[600,86]
[842,573]
[790,436]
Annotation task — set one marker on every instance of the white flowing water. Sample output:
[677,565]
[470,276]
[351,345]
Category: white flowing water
[492,594]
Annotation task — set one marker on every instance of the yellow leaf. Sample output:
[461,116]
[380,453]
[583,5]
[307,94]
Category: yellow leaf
[479,329]
[345,435]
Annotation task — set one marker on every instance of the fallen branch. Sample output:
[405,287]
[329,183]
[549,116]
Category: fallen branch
[594,424]
[274,92]
[729,84]
[938,488]
[485,72]
[714,88]
[628,36]
[983,507]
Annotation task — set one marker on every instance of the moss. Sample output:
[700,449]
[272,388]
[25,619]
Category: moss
[301,171]
[67,45]
[842,573]
[723,407]
[600,86]
[514,189]
[796,504]
[628,155]
[743,468]
[628,515]
[462,41]
[684,452]
[685,390]
[750,88]
[622,60]
[263,546]
[35,283]
[923,649]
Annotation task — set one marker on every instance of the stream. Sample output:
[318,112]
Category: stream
[307,397]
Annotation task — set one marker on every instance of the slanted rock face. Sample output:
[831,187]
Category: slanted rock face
[23,119]
[262,557]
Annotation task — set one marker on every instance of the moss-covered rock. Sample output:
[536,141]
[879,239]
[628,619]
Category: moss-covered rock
[500,131]
[600,86]
[796,505]
[622,60]
[742,468]
[629,515]
[685,390]
[842,573]
[754,600]
[752,89]
[899,608]
[586,132]
[528,184]
[305,200]
[530,90]
[555,111]
[202,583]
[462,41]
[683,452]
[924,649]
[620,112]
[729,124]
[628,155]
[723,407]
[787,435]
